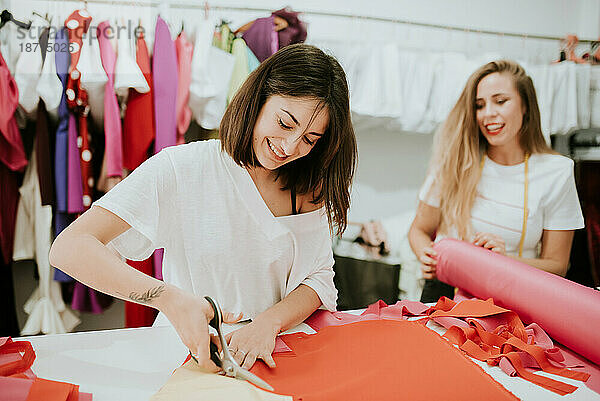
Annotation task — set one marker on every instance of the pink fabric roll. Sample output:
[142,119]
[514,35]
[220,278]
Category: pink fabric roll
[568,311]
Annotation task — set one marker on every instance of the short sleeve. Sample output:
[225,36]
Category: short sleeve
[321,278]
[429,192]
[144,199]
[562,208]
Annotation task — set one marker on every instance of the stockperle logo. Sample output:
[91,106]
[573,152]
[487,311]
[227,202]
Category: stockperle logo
[29,38]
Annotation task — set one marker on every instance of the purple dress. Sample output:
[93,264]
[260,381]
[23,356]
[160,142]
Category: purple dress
[261,38]
[62,218]
[164,89]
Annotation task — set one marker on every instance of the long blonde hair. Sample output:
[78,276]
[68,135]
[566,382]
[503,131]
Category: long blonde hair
[459,146]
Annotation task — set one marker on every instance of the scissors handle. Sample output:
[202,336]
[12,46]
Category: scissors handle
[216,323]
[217,319]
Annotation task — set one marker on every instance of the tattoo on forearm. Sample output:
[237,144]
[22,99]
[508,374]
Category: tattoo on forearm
[148,296]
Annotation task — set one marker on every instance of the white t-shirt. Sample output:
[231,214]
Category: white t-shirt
[498,208]
[219,236]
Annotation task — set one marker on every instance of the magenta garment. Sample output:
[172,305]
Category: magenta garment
[164,86]
[112,113]
[535,295]
[12,153]
[157,258]
[261,38]
[74,186]
[185,51]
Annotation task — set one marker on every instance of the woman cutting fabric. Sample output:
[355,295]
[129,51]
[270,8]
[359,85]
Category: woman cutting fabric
[494,181]
[245,220]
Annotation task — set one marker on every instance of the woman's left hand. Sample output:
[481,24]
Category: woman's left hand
[256,340]
[493,242]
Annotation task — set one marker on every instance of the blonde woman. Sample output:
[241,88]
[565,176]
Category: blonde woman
[495,182]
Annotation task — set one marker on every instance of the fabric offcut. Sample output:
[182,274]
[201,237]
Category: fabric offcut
[347,362]
[535,295]
[486,329]
[19,383]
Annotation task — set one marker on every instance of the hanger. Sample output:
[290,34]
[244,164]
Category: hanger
[6,16]
[206,10]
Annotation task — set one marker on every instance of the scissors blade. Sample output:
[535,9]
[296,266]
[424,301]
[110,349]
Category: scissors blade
[241,373]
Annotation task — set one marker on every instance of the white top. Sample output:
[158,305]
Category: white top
[212,69]
[219,236]
[498,208]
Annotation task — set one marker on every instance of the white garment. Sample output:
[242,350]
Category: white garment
[93,76]
[498,208]
[595,96]
[583,86]
[411,279]
[127,72]
[33,236]
[211,75]
[29,67]
[49,88]
[219,236]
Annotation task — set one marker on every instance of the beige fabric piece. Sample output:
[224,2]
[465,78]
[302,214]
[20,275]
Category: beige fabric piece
[190,382]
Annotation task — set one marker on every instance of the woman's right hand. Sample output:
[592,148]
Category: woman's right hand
[189,314]
[428,261]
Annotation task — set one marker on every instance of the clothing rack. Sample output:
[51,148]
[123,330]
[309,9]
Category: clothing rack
[207,6]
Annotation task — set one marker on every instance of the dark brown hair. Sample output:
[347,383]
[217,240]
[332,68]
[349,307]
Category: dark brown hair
[304,71]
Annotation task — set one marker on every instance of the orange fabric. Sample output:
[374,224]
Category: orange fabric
[505,342]
[377,359]
[12,363]
[48,390]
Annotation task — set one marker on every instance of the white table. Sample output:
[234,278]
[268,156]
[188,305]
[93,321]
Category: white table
[132,364]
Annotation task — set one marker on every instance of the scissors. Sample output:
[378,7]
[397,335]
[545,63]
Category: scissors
[226,361]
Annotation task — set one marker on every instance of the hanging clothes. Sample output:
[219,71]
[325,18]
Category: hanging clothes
[253,62]
[240,67]
[185,50]
[49,87]
[81,180]
[12,152]
[12,160]
[28,69]
[33,237]
[62,218]
[138,124]
[93,77]
[211,73]
[47,80]
[127,73]
[138,134]
[262,38]
[112,164]
[295,32]
[77,24]
[164,84]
